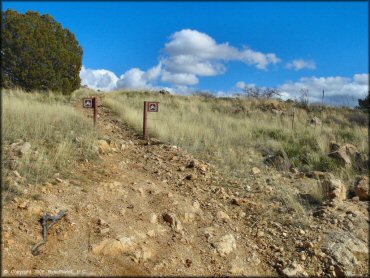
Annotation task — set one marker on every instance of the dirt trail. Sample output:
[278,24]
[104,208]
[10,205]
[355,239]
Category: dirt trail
[116,225]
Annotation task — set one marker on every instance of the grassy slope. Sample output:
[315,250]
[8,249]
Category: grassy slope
[226,131]
[58,134]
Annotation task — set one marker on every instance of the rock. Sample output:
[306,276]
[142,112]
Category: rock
[190,164]
[24,149]
[333,146]
[362,188]
[341,156]
[153,218]
[255,171]
[188,262]
[191,177]
[350,149]
[143,254]
[34,210]
[104,231]
[113,247]
[222,216]
[23,205]
[189,217]
[346,250]
[303,257]
[101,222]
[334,189]
[237,267]
[237,201]
[196,205]
[302,232]
[319,175]
[294,270]
[172,220]
[278,162]
[345,154]
[151,233]
[315,121]
[59,180]
[225,245]
[122,211]
[103,147]
[196,164]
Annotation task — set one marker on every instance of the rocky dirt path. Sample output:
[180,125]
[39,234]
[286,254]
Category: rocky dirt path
[141,209]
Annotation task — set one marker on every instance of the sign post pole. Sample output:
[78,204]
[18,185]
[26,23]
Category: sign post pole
[95,110]
[90,102]
[145,135]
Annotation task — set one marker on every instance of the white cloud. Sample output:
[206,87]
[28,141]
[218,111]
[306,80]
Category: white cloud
[338,89]
[299,64]
[362,79]
[99,79]
[242,85]
[135,78]
[179,78]
[190,53]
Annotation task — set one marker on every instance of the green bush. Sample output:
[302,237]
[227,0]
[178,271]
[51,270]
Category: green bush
[38,54]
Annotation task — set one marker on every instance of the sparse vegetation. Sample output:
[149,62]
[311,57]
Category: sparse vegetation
[224,130]
[57,133]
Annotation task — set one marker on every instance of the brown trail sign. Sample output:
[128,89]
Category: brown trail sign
[90,102]
[149,106]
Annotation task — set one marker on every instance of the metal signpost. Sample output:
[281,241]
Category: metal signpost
[90,102]
[149,106]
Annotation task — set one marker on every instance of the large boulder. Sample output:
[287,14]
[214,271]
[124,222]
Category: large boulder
[341,156]
[346,154]
[334,189]
[346,250]
[362,188]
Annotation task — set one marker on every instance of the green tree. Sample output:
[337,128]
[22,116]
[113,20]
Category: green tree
[364,103]
[38,54]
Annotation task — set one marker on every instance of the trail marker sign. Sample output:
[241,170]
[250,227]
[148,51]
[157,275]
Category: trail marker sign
[152,106]
[88,103]
[149,106]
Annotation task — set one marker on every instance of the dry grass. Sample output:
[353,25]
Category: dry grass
[227,131]
[58,134]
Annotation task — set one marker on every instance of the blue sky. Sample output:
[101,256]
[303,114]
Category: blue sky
[220,46]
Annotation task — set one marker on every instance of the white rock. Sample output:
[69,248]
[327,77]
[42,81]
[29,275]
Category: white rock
[225,245]
[153,218]
[222,216]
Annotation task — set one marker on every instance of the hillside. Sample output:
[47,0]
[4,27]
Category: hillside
[203,197]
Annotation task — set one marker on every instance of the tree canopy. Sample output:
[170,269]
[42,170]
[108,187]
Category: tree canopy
[364,103]
[38,54]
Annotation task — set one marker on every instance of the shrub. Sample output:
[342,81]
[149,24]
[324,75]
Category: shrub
[38,54]
[358,118]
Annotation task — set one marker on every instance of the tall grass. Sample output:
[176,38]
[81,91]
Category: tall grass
[58,134]
[225,131]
